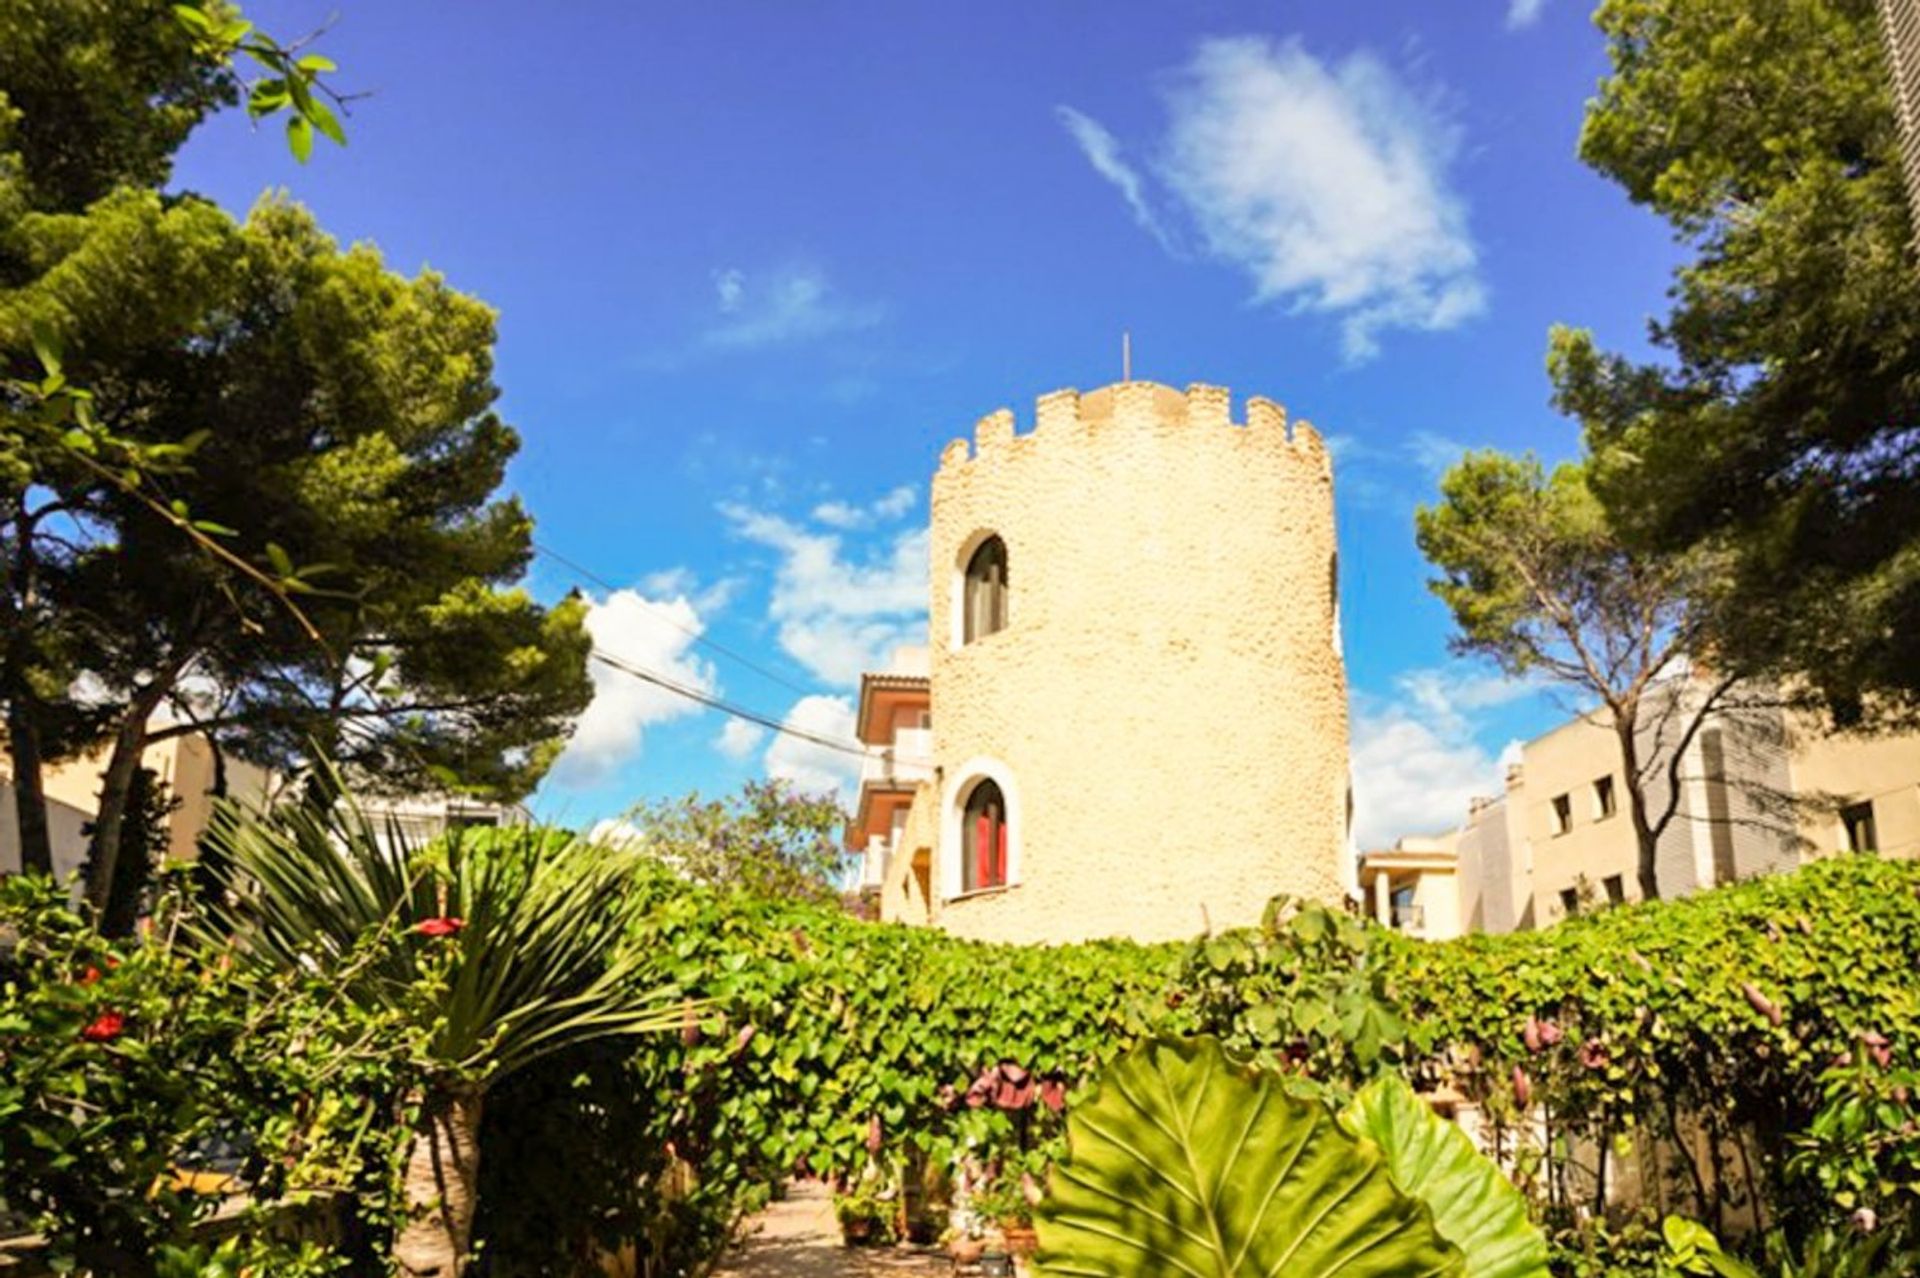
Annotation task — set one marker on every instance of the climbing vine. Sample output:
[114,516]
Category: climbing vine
[854,1050]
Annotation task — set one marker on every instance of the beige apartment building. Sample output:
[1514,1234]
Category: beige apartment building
[1761,791]
[1131,715]
[185,766]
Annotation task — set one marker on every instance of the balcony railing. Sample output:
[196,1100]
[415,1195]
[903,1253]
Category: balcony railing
[908,759]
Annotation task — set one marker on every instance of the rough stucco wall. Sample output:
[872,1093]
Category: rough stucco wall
[1567,761]
[1168,699]
[1830,770]
[1486,856]
[901,899]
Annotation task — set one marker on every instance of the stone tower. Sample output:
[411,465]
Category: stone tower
[1138,704]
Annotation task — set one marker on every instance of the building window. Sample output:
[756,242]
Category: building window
[1604,804]
[1616,889]
[984,602]
[983,839]
[1856,824]
[1563,814]
[1569,901]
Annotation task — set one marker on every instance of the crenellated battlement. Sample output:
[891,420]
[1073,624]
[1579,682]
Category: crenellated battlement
[1071,419]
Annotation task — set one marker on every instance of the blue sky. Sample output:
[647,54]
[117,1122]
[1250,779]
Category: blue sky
[756,263]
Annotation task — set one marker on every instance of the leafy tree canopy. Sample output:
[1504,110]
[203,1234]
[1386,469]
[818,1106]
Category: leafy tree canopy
[1784,425]
[769,839]
[319,556]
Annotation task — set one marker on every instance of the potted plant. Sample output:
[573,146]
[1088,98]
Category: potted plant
[966,1246]
[866,1218]
[1006,1205]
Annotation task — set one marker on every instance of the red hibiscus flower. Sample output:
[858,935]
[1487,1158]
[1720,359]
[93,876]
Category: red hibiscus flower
[439,927]
[104,1028]
[89,976]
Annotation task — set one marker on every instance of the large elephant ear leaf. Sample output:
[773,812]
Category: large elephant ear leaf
[1182,1163]
[1474,1207]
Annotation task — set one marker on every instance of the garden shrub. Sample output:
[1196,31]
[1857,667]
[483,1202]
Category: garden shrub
[833,1046]
[137,1075]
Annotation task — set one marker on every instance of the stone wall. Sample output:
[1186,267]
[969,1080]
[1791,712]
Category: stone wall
[1166,709]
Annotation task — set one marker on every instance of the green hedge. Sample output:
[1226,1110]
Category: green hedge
[833,1044]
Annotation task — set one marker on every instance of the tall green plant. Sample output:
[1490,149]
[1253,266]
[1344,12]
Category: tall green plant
[1474,1206]
[1183,1163]
[520,948]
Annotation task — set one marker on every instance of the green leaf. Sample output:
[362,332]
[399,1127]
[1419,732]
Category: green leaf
[315,64]
[323,119]
[282,562]
[47,347]
[1181,1163]
[267,97]
[193,19]
[299,137]
[1474,1207]
[214,530]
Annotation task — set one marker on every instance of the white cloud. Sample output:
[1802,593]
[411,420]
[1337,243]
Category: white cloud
[739,738]
[1416,761]
[845,515]
[1102,150]
[1325,182]
[1433,453]
[839,613]
[729,286]
[1524,13]
[681,582]
[653,634]
[616,833]
[811,767]
[793,304]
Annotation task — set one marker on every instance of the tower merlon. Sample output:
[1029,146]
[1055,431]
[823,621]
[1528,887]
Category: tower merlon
[1069,417]
[1209,405]
[993,434]
[1265,415]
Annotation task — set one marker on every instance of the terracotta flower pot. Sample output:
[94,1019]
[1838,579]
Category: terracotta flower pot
[967,1251]
[1021,1239]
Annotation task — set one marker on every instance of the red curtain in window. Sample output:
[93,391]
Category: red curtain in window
[1000,855]
[983,850]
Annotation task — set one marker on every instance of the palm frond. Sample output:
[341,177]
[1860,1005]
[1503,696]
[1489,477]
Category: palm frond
[545,957]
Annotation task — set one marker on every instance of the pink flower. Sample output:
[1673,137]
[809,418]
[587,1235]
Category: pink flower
[104,1028]
[439,927]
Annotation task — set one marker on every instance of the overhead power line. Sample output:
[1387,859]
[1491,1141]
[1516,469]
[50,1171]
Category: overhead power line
[772,723]
[712,645]
[712,702]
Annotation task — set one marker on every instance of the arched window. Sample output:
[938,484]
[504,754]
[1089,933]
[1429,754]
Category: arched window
[983,839]
[984,605]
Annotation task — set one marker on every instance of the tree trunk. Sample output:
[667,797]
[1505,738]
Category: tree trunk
[443,1184]
[1625,725]
[116,786]
[29,798]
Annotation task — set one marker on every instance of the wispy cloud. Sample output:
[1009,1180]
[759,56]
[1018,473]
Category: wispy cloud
[840,611]
[1417,758]
[653,633]
[793,304]
[1102,150]
[1327,183]
[884,509]
[1523,13]
[1433,453]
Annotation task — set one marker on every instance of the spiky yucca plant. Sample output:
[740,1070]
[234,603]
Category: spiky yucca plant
[515,941]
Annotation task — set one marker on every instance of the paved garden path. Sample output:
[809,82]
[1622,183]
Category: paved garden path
[798,1238]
